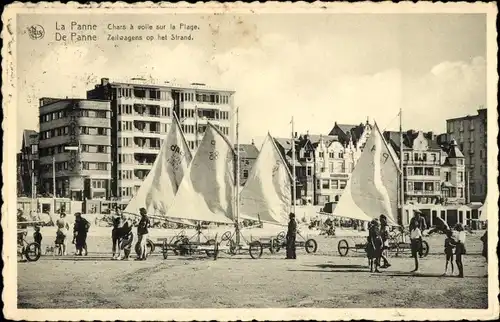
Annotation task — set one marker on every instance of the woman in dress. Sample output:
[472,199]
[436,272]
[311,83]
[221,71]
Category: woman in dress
[62,233]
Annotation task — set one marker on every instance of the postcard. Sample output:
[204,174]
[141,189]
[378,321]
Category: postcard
[260,161]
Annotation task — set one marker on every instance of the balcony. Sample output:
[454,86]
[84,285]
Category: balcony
[423,192]
[146,149]
[144,165]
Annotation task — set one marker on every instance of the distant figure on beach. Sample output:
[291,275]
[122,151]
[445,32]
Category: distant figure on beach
[376,244]
[21,231]
[80,230]
[291,236]
[126,239]
[449,245]
[118,221]
[62,233]
[417,226]
[384,234]
[37,237]
[460,250]
[142,234]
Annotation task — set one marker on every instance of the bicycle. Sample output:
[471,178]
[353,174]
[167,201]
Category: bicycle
[30,250]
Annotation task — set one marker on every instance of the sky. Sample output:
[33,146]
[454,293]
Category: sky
[318,68]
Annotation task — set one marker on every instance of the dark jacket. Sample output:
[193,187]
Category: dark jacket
[292,228]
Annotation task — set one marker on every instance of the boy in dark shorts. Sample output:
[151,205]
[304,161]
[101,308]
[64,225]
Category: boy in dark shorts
[37,237]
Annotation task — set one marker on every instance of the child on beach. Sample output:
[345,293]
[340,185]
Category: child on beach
[37,237]
[449,245]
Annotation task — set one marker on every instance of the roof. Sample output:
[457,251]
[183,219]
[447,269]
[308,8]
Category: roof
[393,138]
[454,151]
[249,151]
[30,137]
[284,143]
[348,131]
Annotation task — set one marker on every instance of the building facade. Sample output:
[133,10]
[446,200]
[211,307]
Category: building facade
[27,165]
[75,144]
[248,156]
[470,132]
[141,116]
[323,163]
[433,171]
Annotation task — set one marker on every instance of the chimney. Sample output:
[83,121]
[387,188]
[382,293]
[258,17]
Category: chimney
[253,143]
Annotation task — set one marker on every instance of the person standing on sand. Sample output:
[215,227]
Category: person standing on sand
[417,226]
[376,243]
[291,236]
[449,244]
[142,234]
[460,249]
[62,233]
[126,239]
[80,231]
[118,221]
[384,233]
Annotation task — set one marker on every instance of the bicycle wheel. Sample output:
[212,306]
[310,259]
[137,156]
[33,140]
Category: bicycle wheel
[32,252]
[255,249]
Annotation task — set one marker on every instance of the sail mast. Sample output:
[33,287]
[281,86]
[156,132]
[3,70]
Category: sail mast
[401,178]
[294,194]
[237,181]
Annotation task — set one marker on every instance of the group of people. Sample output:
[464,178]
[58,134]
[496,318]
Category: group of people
[454,244]
[80,230]
[122,236]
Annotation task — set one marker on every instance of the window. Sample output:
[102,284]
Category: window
[460,192]
[318,184]
[245,174]
[450,127]
[447,176]
[460,176]
[321,154]
[309,171]
[326,184]
[406,156]
[418,186]
[343,183]
[335,184]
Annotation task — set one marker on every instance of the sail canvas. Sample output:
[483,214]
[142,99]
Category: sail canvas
[206,191]
[267,191]
[161,184]
[372,189]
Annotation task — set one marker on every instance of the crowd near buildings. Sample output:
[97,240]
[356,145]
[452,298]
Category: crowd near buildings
[102,147]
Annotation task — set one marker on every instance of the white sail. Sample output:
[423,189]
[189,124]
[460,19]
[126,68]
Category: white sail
[267,191]
[206,192]
[160,186]
[372,189]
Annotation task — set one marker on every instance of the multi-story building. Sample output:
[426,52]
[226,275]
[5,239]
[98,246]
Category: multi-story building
[470,132]
[432,173]
[248,156]
[27,165]
[141,115]
[75,144]
[324,163]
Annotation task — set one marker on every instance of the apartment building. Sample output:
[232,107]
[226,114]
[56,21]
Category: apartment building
[470,132]
[141,116]
[323,163]
[27,165]
[75,144]
[433,173]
